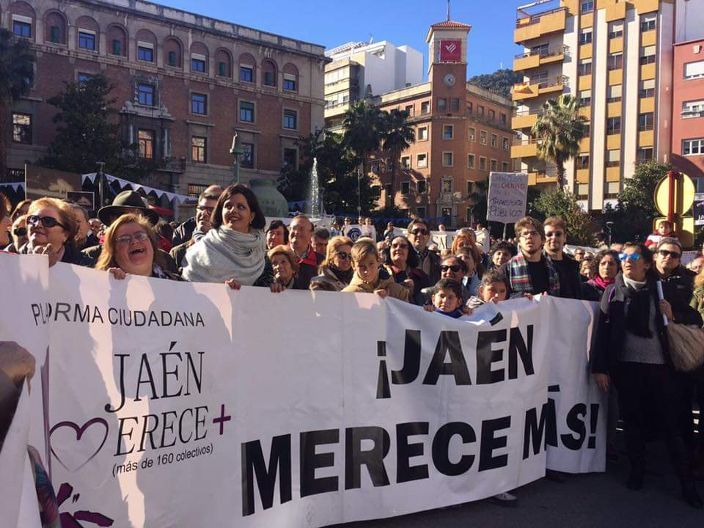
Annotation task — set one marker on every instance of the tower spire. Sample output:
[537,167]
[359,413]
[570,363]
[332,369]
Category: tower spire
[448,10]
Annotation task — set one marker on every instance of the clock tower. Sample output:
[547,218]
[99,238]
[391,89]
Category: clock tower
[447,43]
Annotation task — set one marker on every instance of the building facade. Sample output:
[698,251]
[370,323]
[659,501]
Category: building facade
[184,85]
[616,57]
[360,71]
[462,133]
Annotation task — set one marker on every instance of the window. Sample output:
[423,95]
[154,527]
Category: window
[614,61]
[195,189]
[290,84]
[503,118]
[584,67]
[455,104]
[587,6]
[420,212]
[585,97]
[504,166]
[406,188]
[409,110]
[145,52]
[447,159]
[482,163]
[223,69]
[442,104]
[425,107]
[647,22]
[246,111]
[86,40]
[22,26]
[145,94]
[117,47]
[615,30]
[446,184]
[469,108]
[145,140]
[247,156]
[612,190]
[587,129]
[540,49]
[197,63]
[448,131]
[613,158]
[647,55]
[582,161]
[582,191]
[692,147]
[422,133]
[472,135]
[198,149]
[421,161]
[585,36]
[505,143]
[644,154]
[482,137]
[199,104]
[269,74]
[693,108]
[405,162]
[647,88]
[84,77]
[55,34]
[613,125]
[290,119]
[246,74]
[421,187]
[492,115]
[694,70]
[645,121]
[22,129]
[493,165]
[470,161]
[480,110]
[291,157]
[613,93]
[494,141]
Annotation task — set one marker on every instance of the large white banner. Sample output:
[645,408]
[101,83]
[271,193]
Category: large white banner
[176,404]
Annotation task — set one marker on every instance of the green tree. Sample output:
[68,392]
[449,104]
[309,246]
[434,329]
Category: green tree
[396,136]
[363,124]
[635,210]
[558,132]
[16,78]
[87,129]
[562,203]
[501,81]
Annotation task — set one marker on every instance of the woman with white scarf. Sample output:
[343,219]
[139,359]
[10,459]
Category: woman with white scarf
[234,250]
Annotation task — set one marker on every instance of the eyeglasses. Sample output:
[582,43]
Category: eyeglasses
[46,221]
[205,208]
[528,234]
[556,234]
[454,268]
[419,232]
[623,257]
[666,253]
[20,231]
[343,255]
[126,240]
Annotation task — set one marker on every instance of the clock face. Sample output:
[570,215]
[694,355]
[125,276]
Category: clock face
[449,79]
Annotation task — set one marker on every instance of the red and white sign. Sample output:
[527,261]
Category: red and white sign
[451,50]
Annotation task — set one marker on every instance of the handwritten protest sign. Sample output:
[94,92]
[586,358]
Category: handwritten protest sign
[508,192]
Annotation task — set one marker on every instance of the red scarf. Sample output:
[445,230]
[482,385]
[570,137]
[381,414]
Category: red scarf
[601,283]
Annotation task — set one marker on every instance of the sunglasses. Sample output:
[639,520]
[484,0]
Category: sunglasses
[344,255]
[204,208]
[454,268]
[20,231]
[126,240]
[46,221]
[666,253]
[623,257]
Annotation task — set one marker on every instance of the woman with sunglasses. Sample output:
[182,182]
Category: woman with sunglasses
[336,270]
[130,247]
[52,231]
[631,348]
[402,263]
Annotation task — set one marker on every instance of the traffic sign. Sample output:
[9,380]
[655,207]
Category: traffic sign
[683,198]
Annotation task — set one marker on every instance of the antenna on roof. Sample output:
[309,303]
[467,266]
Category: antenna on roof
[448,10]
[371,39]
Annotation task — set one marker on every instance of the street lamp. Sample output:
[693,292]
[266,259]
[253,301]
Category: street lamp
[237,152]
[609,226]
[101,183]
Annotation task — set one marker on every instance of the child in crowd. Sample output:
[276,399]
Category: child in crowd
[492,289]
[367,278]
[664,229]
[447,299]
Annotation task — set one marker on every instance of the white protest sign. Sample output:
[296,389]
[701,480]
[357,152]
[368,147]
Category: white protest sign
[508,192]
[176,404]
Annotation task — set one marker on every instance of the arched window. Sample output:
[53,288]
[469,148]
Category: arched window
[87,34]
[290,78]
[173,53]
[199,58]
[223,63]
[55,28]
[248,69]
[23,21]
[269,73]
[146,46]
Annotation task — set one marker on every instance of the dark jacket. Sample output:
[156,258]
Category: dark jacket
[308,268]
[184,232]
[165,261]
[430,265]
[71,256]
[570,281]
[678,289]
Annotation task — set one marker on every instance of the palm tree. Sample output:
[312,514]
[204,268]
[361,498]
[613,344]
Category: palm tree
[16,77]
[558,132]
[397,136]
[363,124]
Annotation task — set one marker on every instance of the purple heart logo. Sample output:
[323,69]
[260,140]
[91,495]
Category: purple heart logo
[71,455]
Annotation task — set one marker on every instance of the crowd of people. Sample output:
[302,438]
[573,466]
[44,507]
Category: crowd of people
[641,287]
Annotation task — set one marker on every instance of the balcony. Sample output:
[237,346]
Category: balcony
[524,119]
[533,59]
[534,26]
[528,90]
[553,86]
[546,175]
[526,149]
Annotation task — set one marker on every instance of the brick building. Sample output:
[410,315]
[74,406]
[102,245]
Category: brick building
[462,133]
[184,84]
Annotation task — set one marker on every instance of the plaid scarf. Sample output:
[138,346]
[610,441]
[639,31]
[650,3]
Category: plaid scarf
[519,277]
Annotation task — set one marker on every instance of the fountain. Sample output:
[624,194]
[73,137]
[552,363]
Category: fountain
[314,208]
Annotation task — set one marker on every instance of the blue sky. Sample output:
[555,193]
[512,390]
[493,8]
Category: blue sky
[398,21]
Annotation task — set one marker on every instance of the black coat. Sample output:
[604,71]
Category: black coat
[570,280]
[184,232]
[678,289]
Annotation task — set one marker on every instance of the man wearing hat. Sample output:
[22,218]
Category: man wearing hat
[124,203]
